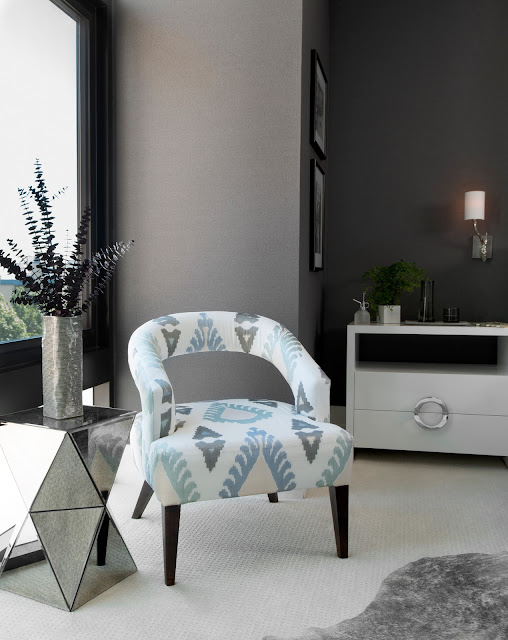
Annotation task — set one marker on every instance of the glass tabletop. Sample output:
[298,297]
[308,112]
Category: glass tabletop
[92,416]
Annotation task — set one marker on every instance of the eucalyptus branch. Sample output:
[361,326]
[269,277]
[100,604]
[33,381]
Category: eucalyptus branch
[55,282]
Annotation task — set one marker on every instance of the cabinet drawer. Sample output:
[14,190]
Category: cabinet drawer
[482,394]
[481,435]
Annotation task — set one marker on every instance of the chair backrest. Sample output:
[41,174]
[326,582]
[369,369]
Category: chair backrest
[197,332]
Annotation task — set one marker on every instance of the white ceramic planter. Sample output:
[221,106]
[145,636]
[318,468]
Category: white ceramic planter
[389,315]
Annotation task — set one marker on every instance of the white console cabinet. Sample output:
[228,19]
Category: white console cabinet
[420,406]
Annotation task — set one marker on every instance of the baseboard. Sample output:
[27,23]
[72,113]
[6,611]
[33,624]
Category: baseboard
[315,492]
[338,415]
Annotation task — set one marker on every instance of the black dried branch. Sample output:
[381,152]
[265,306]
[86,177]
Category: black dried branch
[52,281]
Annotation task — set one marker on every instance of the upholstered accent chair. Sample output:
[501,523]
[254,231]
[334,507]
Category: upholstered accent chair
[234,447]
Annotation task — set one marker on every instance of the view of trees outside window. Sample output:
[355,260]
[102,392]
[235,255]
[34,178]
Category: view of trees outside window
[38,119]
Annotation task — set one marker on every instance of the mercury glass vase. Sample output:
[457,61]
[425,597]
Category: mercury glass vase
[62,367]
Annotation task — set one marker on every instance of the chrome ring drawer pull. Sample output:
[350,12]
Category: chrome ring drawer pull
[437,401]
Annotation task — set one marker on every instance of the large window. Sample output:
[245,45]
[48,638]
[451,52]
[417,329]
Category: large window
[38,116]
[55,76]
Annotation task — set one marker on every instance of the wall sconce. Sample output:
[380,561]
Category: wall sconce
[474,209]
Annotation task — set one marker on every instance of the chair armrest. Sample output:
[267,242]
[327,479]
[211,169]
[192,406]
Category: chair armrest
[311,389]
[155,390]
[308,382]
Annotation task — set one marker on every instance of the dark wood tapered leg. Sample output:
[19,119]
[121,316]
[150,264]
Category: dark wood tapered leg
[273,497]
[170,528]
[102,541]
[102,536]
[144,498]
[339,500]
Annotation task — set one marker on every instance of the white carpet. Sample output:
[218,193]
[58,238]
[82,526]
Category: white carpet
[247,568]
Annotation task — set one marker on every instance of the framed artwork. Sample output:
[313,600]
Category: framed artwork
[317,207]
[318,106]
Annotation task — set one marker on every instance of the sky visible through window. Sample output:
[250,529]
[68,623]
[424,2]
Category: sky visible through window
[37,114]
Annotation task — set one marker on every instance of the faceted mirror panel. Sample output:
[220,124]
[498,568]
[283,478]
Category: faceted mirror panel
[67,549]
[12,506]
[28,573]
[118,564]
[5,539]
[13,534]
[29,452]
[105,447]
[26,540]
[67,537]
[67,484]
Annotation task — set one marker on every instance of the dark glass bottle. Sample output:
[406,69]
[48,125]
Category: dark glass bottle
[426,312]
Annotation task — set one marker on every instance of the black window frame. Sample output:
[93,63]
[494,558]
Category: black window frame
[95,186]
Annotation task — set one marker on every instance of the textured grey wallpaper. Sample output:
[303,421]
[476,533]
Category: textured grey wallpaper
[208,108]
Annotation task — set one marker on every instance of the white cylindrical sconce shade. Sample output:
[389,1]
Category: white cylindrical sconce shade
[474,205]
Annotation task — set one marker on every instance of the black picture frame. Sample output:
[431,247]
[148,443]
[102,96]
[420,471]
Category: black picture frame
[318,105]
[317,217]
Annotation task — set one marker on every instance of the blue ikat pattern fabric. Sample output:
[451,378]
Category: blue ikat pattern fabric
[232,447]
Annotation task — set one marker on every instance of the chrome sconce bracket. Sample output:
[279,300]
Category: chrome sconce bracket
[482,244]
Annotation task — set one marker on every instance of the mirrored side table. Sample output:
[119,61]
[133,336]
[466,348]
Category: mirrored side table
[64,547]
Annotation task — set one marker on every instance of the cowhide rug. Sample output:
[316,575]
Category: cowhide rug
[463,597]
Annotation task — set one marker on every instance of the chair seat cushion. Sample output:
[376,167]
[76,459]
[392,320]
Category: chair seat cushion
[229,448]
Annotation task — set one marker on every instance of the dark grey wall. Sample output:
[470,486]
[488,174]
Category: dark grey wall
[315,35]
[208,175]
[419,106]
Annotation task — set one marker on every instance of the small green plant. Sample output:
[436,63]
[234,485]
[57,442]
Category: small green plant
[387,284]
